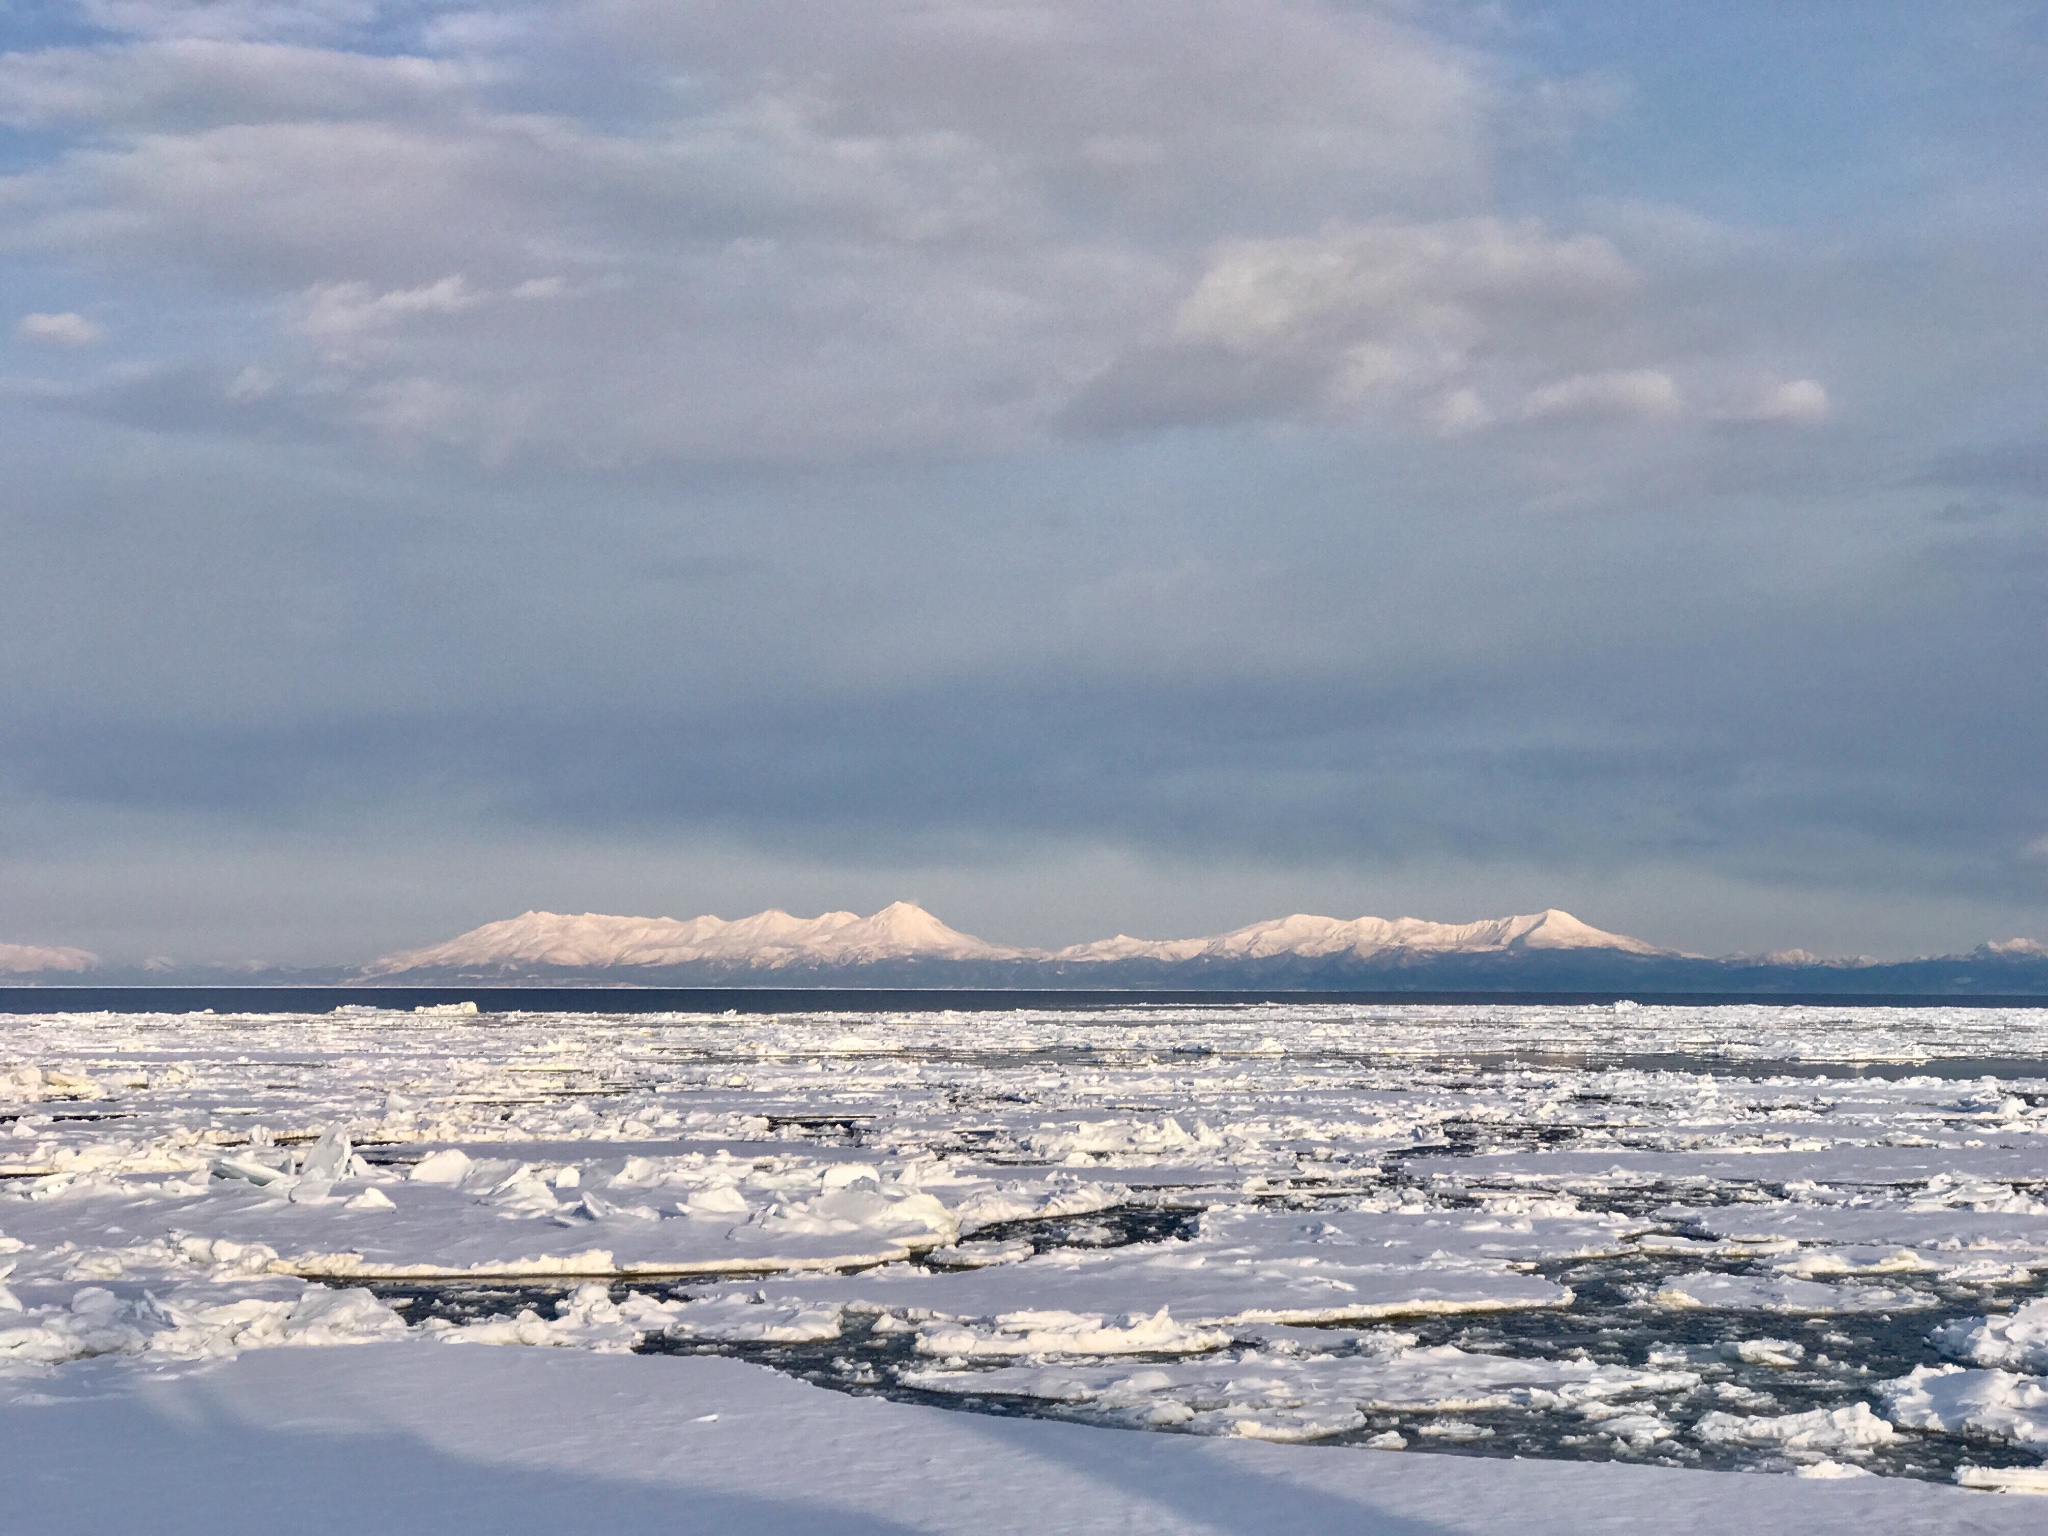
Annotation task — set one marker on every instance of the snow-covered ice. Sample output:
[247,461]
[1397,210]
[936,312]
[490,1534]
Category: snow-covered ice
[411,1441]
[1770,1238]
[1949,1398]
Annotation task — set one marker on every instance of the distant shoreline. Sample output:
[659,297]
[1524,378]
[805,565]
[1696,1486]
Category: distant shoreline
[643,1000]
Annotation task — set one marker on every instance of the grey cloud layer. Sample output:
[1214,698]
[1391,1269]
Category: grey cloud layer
[954,427]
[811,234]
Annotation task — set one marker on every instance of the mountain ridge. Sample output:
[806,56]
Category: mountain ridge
[770,940]
[903,931]
[904,946]
[32,959]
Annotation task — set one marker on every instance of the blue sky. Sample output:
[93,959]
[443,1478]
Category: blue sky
[1087,469]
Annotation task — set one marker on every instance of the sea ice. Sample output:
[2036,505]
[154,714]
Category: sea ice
[1950,1399]
[1829,1431]
[189,1324]
[1175,1217]
[1769,1293]
[1302,1395]
[2018,1341]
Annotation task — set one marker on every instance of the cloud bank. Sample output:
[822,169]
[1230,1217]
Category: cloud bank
[1284,437]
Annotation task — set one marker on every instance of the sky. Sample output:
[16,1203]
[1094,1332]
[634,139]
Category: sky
[1085,468]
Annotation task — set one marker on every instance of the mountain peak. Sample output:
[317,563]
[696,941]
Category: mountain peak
[770,940]
[1305,934]
[28,959]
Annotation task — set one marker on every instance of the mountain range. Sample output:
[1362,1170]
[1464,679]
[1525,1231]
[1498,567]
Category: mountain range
[537,943]
[908,947]
[905,946]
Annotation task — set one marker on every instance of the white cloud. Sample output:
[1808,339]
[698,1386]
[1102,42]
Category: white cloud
[343,310]
[1438,280]
[921,226]
[1641,392]
[1796,402]
[252,383]
[1460,411]
[416,408]
[230,18]
[65,329]
[185,85]
[1413,318]
[804,233]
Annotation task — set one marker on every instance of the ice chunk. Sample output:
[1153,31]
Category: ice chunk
[1061,1195]
[2018,1341]
[589,1319]
[1773,1352]
[1949,1399]
[450,1165]
[195,1326]
[752,1319]
[1068,1333]
[33,1082]
[594,1207]
[1765,1293]
[1821,1429]
[716,1202]
[979,1255]
[96,1323]
[2004,1479]
[891,1210]
[247,1169]
[1816,1263]
[330,1157]
[321,1316]
[1454,1430]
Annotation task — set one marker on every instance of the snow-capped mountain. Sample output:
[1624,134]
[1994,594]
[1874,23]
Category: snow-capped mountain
[542,942]
[904,946]
[767,941]
[2014,947]
[32,959]
[1310,936]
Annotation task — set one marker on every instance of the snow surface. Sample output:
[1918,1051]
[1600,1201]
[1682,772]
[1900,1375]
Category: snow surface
[517,1442]
[1813,1240]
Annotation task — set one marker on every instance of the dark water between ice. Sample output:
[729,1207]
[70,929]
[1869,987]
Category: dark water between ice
[1610,1321]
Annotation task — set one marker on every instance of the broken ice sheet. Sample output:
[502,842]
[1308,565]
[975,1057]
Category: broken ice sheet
[1290,1394]
[1043,1191]
[588,1318]
[1251,1265]
[192,1324]
[462,1216]
[1775,1293]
